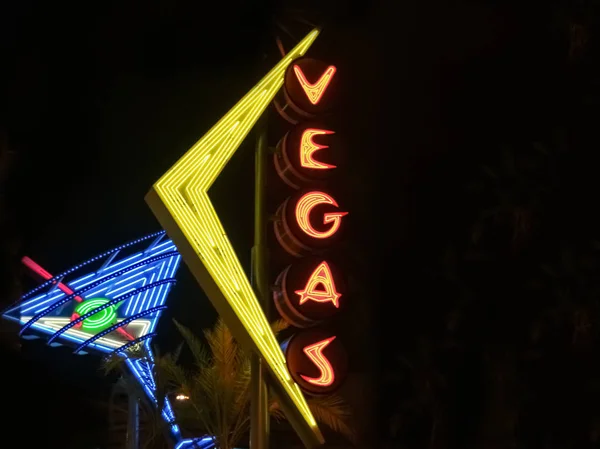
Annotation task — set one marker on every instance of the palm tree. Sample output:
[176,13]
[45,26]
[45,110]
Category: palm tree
[217,388]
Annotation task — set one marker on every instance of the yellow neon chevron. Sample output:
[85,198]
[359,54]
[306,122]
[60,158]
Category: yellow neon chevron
[180,201]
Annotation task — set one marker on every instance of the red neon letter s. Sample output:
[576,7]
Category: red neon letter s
[315,354]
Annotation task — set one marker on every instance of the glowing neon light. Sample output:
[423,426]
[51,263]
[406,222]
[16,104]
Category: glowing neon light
[46,275]
[100,320]
[156,235]
[315,354]
[180,201]
[39,303]
[37,269]
[126,346]
[137,277]
[308,147]
[91,286]
[142,370]
[315,91]
[304,207]
[118,325]
[127,292]
[110,303]
[52,325]
[321,276]
[196,443]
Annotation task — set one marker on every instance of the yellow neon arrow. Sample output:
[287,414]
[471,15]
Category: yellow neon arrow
[180,201]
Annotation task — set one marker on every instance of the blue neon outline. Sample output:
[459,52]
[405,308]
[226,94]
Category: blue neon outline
[196,443]
[145,378]
[158,296]
[38,303]
[128,344]
[35,303]
[151,295]
[115,326]
[87,262]
[60,302]
[112,302]
[141,368]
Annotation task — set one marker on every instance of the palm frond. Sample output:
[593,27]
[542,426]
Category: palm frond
[279,326]
[197,348]
[223,348]
[334,413]
[329,410]
[218,387]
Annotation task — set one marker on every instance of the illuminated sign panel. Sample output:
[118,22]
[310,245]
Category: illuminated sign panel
[315,354]
[314,91]
[308,148]
[180,201]
[304,208]
[320,287]
[307,222]
[106,304]
[308,155]
[309,90]
[117,302]
[317,361]
[309,291]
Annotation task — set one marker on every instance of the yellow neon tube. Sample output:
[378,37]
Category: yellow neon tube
[180,201]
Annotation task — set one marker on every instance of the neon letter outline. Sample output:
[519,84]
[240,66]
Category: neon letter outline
[308,147]
[304,207]
[315,91]
[315,353]
[321,275]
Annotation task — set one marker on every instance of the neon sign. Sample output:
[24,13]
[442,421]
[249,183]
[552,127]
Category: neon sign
[315,91]
[107,304]
[307,292]
[117,302]
[310,291]
[317,360]
[37,269]
[309,90]
[308,147]
[320,277]
[98,321]
[299,160]
[304,207]
[315,353]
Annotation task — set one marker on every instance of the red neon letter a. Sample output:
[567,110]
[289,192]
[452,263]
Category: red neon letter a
[321,276]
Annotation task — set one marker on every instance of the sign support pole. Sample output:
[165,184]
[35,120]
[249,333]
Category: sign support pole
[259,406]
[133,423]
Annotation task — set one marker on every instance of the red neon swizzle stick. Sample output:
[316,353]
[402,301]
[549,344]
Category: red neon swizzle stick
[37,269]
